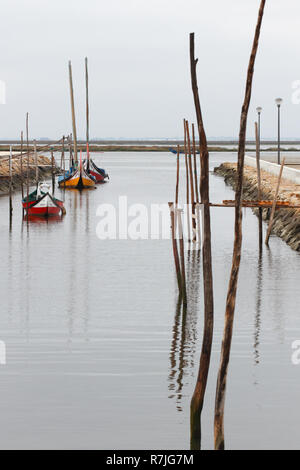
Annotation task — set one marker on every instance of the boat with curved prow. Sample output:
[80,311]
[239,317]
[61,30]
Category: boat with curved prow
[42,203]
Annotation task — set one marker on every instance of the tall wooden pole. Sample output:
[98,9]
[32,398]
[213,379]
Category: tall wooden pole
[10,183]
[21,165]
[27,148]
[36,163]
[73,112]
[187,184]
[53,171]
[195,164]
[194,237]
[87,112]
[232,287]
[274,203]
[199,392]
[258,184]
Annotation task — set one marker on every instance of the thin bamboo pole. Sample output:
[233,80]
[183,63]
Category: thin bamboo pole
[195,164]
[187,185]
[232,287]
[274,204]
[258,185]
[200,387]
[21,164]
[73,112]
[194,230]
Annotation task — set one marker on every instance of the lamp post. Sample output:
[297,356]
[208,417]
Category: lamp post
[278,101]
[259,110]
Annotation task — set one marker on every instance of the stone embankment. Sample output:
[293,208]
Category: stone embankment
[286,221]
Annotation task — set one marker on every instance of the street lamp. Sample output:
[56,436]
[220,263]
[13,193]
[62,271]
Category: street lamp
[278,101]
[259,110]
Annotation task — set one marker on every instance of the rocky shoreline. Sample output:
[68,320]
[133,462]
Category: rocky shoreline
[286,221]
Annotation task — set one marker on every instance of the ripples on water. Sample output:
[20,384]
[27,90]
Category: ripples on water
[99,354]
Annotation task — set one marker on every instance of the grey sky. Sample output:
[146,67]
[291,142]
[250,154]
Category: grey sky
[139,65]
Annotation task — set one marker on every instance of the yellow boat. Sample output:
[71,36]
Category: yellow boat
[79,180]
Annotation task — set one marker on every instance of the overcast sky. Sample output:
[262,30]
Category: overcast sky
[138,54]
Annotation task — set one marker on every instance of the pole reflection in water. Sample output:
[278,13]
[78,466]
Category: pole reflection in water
[184,335]
[257,323]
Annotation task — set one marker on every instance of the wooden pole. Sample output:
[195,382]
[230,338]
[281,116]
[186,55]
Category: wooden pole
[187,185]
[195,164]
[10,183]
[182,262]
[258,184]
[174,244]
[73,112]
[36,163]
[21,165]
[87,111]
[177,176]
[274,204]
[200,387]
[194,238]
[52,172]
[27,145]
[232,287]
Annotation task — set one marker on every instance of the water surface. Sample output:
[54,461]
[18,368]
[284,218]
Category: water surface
[98,353]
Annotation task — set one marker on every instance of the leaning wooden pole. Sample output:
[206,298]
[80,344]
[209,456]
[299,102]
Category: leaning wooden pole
[258,184]
[232,288]
[73,112]
[199,392]
[274,204]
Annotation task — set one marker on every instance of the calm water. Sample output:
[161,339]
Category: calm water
[99,355]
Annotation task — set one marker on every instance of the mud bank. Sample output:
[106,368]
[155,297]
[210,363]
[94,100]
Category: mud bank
[286,221]
[45,171]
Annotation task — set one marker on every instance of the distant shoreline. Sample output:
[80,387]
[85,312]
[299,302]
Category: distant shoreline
[4,147]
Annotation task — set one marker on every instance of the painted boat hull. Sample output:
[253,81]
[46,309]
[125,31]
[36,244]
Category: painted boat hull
[79,180]
[99,174]
[44,206]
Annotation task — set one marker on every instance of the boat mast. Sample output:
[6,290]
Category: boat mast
[73,112]
[87,111]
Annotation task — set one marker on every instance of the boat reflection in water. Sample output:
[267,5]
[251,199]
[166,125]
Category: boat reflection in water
[54,219]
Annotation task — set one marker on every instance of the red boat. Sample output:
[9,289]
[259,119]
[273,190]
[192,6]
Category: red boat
[99,174]
[42,203]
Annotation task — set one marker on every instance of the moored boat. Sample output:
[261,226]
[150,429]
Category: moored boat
[99,174]
[78,178]
[42,203]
